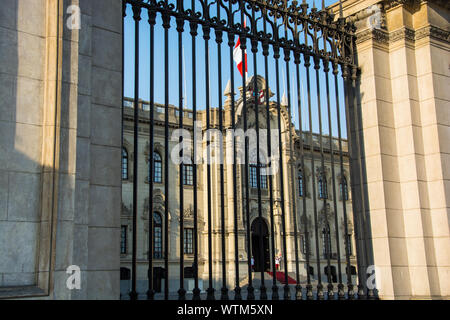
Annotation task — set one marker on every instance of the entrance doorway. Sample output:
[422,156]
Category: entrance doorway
[261,255]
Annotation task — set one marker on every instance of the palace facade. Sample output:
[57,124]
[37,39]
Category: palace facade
[297,185]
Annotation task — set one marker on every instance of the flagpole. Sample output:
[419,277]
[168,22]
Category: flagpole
[209,79]
[185,83]
[302,98]
[292,99]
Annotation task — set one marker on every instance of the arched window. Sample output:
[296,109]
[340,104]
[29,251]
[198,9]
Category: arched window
[254,176]
[157,236]
[124,164]
[344,189]
[157,170]
[323,190]
[301,184]
[188,174]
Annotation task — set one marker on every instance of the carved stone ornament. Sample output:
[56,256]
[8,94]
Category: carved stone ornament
[188,214]
[325,216]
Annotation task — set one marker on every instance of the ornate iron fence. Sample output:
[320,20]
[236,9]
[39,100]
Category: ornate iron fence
[304,39]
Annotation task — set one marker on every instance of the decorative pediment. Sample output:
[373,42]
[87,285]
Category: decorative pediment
[156,147]
[322,171]
[188,214]
[158,203]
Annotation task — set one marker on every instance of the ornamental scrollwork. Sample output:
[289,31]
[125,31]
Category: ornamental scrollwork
[290,26]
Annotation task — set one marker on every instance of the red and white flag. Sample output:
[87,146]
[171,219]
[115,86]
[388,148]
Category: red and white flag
[237,55]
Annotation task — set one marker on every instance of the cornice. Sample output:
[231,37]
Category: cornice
[371,23]
[377,35]
[407,34]
[402,34]
[411,4]
[433,32]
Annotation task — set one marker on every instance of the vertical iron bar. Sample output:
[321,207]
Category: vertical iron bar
[298,288]
[341,294]
[308,84]
[276,50]
[206,37]
[166,25]
[322,172]
[302,156]
[327,244]
[219,40]
[265,47]
[254,42]
[152,22]
[137,18]
[237,289]
[307,63]
[180,29]
[320,295]
[350,293]
[193,30]
[250,289]
[333,173]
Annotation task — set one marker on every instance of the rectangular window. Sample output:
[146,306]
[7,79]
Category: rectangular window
[188,241]
[263,178]
[188,175]
[157,177]
[124,164]
[157,242]
[326,243]
[300,186]
[253,180]
[123,240]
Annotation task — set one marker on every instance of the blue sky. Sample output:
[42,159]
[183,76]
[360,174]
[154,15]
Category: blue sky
[144,78]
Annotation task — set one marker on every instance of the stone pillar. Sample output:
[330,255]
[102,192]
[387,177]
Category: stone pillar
[403,50]
[60,184]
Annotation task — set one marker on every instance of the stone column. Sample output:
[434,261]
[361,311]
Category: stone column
[403,50]
[60,182]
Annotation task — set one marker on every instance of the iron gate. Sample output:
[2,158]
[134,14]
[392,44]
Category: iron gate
[314,45]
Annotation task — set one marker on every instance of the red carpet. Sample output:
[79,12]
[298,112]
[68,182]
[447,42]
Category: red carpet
[281,277]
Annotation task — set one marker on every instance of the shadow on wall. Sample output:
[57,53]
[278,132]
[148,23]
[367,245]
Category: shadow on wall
[27,147]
